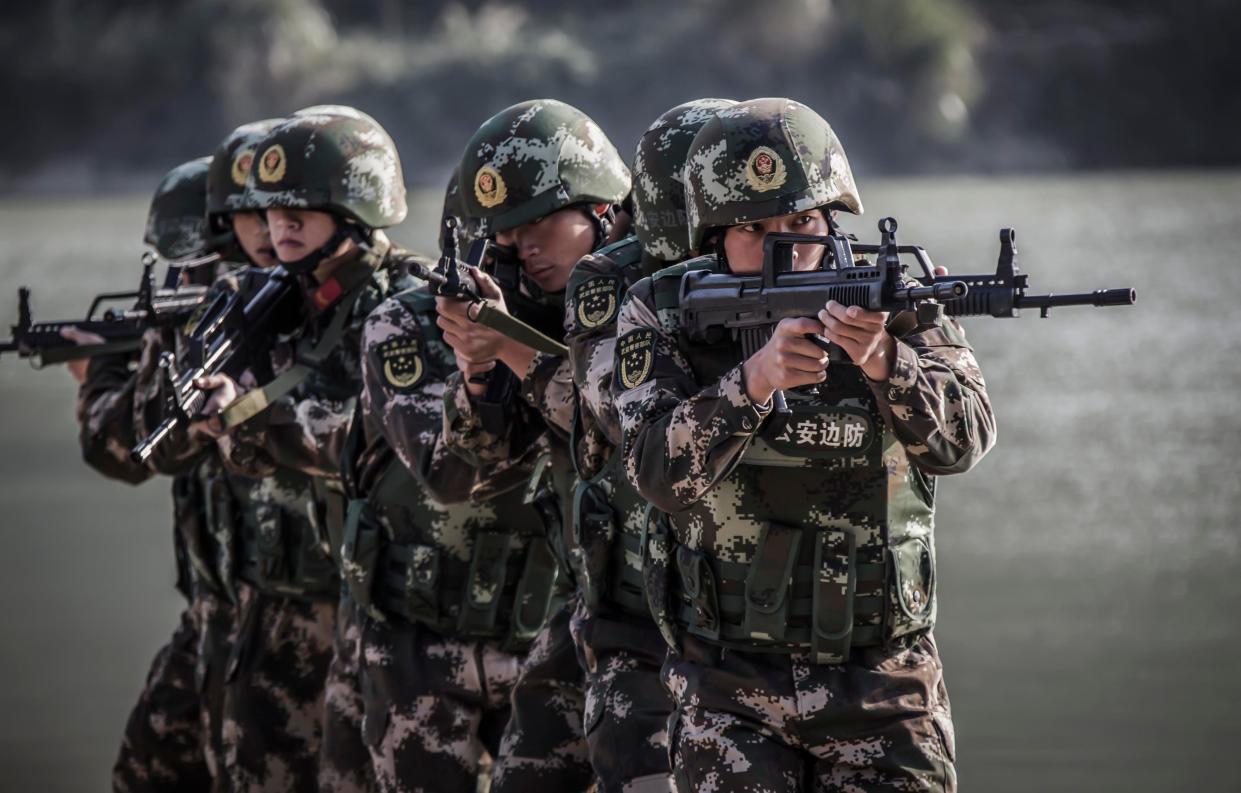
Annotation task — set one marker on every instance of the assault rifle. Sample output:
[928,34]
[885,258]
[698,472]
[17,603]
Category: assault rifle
[219,342]
[120,328]
[747,307]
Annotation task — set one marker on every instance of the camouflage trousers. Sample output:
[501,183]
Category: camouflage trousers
[763,723]
[162,748]
[410,710]
[627,706]
[215,620]
[543,748]
[272,719]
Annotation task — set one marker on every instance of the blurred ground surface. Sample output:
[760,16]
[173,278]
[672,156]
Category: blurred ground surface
[1088,567]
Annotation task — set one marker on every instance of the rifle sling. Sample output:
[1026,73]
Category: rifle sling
[255,401]
[518,331]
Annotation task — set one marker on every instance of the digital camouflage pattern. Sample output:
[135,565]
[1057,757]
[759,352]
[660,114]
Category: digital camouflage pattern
[329,162]
[626,706]
[659,177]
[177,220]
[855,457]
[783,724]
[621,648]
[543,747]
[416,701]
[764,158]
[534,158]
[306,429]
[809,534]
[409,709]
[230,166]
[163,744]
[272,721]
[214,619]
[105,408]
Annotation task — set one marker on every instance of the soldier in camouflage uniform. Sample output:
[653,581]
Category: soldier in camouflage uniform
[328,180]
[794,557]
[619,645]
[543,181]
[203,490]
[162,746]
[448,577]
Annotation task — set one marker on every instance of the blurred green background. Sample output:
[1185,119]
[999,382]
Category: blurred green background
[1088,566]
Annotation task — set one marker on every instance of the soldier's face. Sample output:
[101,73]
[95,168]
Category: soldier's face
[550,246]
[252,235]
[743,245]
[296,233]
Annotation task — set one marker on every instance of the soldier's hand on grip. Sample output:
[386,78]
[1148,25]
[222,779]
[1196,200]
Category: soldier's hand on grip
[787,360]
[77,367]
[862,335]
[224,391]
[470,340]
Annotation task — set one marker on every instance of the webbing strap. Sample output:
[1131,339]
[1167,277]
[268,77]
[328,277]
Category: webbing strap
[517,330]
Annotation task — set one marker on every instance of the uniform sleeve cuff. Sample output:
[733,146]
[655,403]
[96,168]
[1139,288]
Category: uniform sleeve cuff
[746,414]
[904,374]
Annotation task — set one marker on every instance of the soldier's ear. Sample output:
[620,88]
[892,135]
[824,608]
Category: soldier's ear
[602,209]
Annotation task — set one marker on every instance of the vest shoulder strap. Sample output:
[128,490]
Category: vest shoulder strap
[666,283]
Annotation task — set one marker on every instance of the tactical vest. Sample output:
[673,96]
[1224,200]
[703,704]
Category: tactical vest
[291,525]
[473,571]
[205,512]
[608,513]
[820,539]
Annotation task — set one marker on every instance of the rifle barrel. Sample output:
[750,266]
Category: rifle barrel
[1099,297]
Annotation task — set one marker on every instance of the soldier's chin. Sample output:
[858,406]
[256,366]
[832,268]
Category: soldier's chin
[290,253]
[549,280]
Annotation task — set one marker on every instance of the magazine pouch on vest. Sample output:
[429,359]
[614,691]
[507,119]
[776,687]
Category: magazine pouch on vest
[768,584]
[533,599]
[594,530]
[656,553]
[833,585]
[360,553]
[225,530]
[698,586]
[480,601]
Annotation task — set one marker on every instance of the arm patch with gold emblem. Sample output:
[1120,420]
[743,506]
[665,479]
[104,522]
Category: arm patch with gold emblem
[635,357]
[403,361]
[596,301]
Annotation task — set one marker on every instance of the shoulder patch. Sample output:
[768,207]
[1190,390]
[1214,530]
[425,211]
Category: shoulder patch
[596,300]
[635,357]
[403,361]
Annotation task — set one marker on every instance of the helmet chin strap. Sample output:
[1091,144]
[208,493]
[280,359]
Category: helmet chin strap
[603,223]
[344,231]
[223,240]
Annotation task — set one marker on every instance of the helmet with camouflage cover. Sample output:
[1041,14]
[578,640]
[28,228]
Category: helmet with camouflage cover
[226,184]
[226,180]
[760,159]
[534,158]
[177,221]
[329,161]
[659,177]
